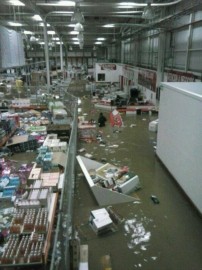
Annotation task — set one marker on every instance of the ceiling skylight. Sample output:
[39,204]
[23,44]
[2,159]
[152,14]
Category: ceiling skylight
[37,17]
[15,24]
[16,3]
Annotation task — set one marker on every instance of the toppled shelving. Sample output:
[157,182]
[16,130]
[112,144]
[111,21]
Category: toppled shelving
[107,185]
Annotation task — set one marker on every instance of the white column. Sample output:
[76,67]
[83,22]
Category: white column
[47,56]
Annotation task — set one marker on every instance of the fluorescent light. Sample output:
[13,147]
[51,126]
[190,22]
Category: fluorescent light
[75,38]
[101,38]
[76,42]
[16,3]
[55,38]
[71,25]
[60,3]
[98,42]
[109,25]
[28,32]
[130,4]
[129,12]
[78,27]
[42,24]
[73,32]
[37,17]
[66,3]
[15,24]
[58,42]
[51,32]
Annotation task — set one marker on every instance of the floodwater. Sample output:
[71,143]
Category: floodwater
[164,236]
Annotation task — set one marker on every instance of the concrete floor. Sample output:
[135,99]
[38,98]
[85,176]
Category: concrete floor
[171,231]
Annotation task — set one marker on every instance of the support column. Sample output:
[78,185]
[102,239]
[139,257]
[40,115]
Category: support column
[47,56]
[61,58]
[161,58]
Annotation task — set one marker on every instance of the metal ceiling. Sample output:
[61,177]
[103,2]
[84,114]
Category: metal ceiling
[97,13]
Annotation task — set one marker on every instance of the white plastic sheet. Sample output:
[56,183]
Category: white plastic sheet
[11,48]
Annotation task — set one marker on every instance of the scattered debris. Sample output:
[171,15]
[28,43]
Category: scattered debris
[143,248]
[137,231]
[136,202]
[81,150]
[113,146]
[155,199]
[133,125]
[88,155]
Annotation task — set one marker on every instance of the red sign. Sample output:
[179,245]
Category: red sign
[147,79]
[177,76]
[107,66]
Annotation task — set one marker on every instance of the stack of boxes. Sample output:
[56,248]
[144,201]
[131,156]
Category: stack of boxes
[54,143]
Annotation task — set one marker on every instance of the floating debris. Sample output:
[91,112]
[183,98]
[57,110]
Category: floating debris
[137,231]
[155,199]
[136,202]
[143,248]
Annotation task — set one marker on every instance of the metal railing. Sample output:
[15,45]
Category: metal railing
[60,255]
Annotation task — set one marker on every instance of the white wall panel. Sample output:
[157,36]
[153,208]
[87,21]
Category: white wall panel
[179,60]
[179,143]
[197,38]
[195,63]
[198,15]
[180,39]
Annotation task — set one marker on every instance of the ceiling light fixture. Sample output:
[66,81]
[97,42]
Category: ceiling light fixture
[27,32]
[37,17]
[51,32]
[14,24]
[42,24]
[59,3]
[78,27]
[73,32]
[109,25]
[32,39]
[16,3]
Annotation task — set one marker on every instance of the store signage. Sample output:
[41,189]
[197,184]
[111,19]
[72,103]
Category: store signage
[147,79]
[107,66]
[128,73]
[177,76]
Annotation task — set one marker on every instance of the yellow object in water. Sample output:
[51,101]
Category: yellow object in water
[106,262]
[19,83]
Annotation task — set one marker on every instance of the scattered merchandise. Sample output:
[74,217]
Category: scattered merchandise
[100,221]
